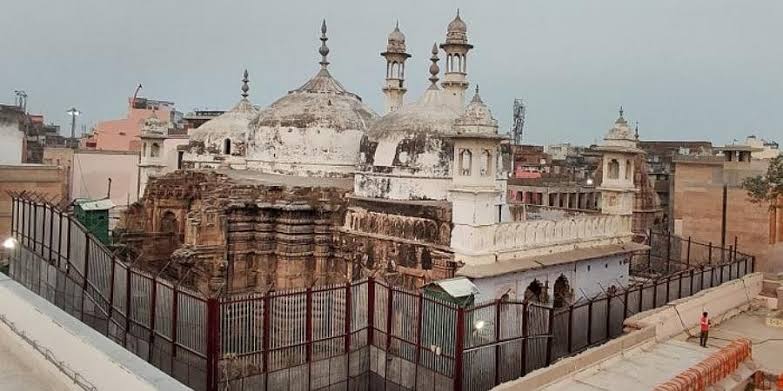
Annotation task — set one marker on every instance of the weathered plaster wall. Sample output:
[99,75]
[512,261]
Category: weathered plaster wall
[11,142]
[92,170]
[587,279]
[497,242]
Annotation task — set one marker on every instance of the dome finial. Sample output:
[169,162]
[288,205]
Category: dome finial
[245,87]
[476,96]
[636,131]
[324,50]
[621,111]
[434,69]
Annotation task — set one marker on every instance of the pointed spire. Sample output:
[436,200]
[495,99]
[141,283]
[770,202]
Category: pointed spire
[476,96]
[636,131]
[397,26]
[245,87]
[434,69]
[323,50]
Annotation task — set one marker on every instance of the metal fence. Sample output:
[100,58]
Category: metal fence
[364,335]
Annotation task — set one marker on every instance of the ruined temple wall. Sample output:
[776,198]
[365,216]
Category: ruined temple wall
[405,243]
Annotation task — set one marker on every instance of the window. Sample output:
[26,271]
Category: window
[613,169]
[628,169]
[227,146]
[486,163]
[155,150]
[180,155]
[465,161]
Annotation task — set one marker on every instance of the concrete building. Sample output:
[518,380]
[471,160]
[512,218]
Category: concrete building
[123,134]
[659,155]
[765,149]
[12,135]
[560,151]
[698,201]
[94,169]
[48,181]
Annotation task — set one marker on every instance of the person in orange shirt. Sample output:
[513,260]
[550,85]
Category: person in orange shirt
[704,324]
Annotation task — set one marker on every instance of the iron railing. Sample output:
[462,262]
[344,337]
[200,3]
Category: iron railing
[361,335]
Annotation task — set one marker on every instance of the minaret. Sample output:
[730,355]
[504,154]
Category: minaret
[456,47]
[395,56]
[619,150]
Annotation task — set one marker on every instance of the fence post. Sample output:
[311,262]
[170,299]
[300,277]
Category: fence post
[128,306]
[86,272]
[570,328]
[668,252]
[668,286]
[458,346]
[525,313]
[309,327]
[498,304]
[153,302]
[753,264]
[174,316]
[551,335]
[608,317]
[692,276]
[389,308]
[709,253]
[625,305]
[649,250]
[371,310]
[688,256]
[655,294]
[590,322]
[51,232]
[213,347]
[419,323]
[348,314]
[641,297]
[265,338]
[111,294]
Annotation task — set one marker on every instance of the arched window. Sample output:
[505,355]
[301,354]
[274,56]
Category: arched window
[155,150]
[628,170]
[535,292]
[563,294]
[227,146]
[465,162]
[614,169]
[486,163]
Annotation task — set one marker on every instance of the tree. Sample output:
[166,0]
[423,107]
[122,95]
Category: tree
[768,187]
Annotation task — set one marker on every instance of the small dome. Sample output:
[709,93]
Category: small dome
[458,25]
[396,42]
[232,125]
[396,35]
[477,118]
[407,154]
[315,130]
[457,31]
[620,131]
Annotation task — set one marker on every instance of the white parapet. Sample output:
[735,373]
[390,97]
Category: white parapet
[509,240]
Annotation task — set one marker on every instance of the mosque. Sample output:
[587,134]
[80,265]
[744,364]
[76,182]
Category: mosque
[317,188]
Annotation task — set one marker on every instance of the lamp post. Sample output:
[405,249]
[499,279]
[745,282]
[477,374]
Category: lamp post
[73,112]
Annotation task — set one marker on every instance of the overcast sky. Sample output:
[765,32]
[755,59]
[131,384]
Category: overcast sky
[685,69]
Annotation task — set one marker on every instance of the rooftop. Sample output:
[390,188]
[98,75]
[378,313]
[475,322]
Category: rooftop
[81,353]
